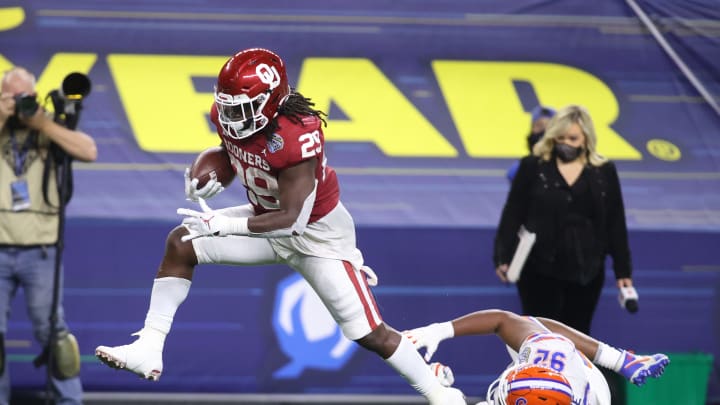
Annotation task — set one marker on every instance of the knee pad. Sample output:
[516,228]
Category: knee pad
[66,361]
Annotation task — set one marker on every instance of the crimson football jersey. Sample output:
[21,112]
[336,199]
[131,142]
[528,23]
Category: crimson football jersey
[259,159]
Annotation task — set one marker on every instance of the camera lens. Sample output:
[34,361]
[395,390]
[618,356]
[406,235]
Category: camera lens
[26,105]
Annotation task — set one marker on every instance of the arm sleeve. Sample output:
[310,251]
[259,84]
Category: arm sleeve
[618,246]
[240,211]
[514,212]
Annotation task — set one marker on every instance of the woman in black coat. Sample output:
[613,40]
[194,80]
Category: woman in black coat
[570,197]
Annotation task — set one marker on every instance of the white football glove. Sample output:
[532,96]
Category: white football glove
[430,337]
[210,223]
[443,374]
[210,188]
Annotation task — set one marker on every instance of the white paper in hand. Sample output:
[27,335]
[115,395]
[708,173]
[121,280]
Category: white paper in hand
[527,239]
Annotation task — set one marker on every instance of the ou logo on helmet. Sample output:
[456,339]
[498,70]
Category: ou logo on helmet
[268,75]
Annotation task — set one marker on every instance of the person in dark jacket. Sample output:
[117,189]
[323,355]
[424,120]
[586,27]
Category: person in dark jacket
[570,196]
[539,118]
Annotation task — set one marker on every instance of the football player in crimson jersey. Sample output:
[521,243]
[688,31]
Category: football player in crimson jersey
[546,343]
[276,145]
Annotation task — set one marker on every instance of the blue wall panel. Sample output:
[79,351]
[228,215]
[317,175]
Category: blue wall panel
[223,339]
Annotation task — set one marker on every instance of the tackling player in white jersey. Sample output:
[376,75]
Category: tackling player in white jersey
[551,345]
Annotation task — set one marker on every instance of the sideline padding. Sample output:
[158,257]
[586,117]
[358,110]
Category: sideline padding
[223,339]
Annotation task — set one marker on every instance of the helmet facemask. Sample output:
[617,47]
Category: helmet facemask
[498,390]
[241,116]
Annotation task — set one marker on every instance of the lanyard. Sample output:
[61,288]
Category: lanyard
[20,154]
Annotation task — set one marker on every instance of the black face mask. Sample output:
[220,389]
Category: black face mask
[567,153]
[533,138]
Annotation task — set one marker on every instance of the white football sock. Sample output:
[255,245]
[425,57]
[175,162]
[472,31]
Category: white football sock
[609,357]
[411,366]
[167,295]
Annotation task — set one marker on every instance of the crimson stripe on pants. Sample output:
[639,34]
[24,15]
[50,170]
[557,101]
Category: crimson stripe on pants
[359,290]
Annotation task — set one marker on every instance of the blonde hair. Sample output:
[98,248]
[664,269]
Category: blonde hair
[559,124]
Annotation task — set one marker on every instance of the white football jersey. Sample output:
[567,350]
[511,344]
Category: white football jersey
[558,353]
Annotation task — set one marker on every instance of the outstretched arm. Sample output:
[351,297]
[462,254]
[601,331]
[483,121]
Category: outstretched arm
[511,328]
[514,329]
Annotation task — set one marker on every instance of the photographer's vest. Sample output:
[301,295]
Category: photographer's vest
[38,223]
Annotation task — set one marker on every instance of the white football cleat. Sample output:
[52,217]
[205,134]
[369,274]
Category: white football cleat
[448,396]
[141,357]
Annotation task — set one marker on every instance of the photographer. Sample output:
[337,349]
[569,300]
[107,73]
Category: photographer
[29,220]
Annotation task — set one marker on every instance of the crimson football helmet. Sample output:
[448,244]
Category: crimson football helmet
[250,88]
[530,384]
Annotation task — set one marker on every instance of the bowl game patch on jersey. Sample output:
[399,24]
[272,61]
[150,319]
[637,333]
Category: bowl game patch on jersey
[275,143]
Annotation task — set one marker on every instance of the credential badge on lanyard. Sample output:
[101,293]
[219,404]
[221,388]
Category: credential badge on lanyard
[19,187]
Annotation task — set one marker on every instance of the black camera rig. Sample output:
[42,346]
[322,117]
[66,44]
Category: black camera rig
[67,103]
[26,105]
[67,100]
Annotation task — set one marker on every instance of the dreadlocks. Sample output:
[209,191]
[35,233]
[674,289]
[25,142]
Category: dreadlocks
[295,108]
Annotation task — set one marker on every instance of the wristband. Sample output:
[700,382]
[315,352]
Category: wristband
[236,226]
[446,330]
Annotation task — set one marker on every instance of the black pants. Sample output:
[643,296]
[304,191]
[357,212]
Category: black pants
[570,303]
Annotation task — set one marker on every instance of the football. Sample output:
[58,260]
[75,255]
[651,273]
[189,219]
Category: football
[212,162]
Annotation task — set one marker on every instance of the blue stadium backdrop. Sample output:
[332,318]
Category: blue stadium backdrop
[428,106]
